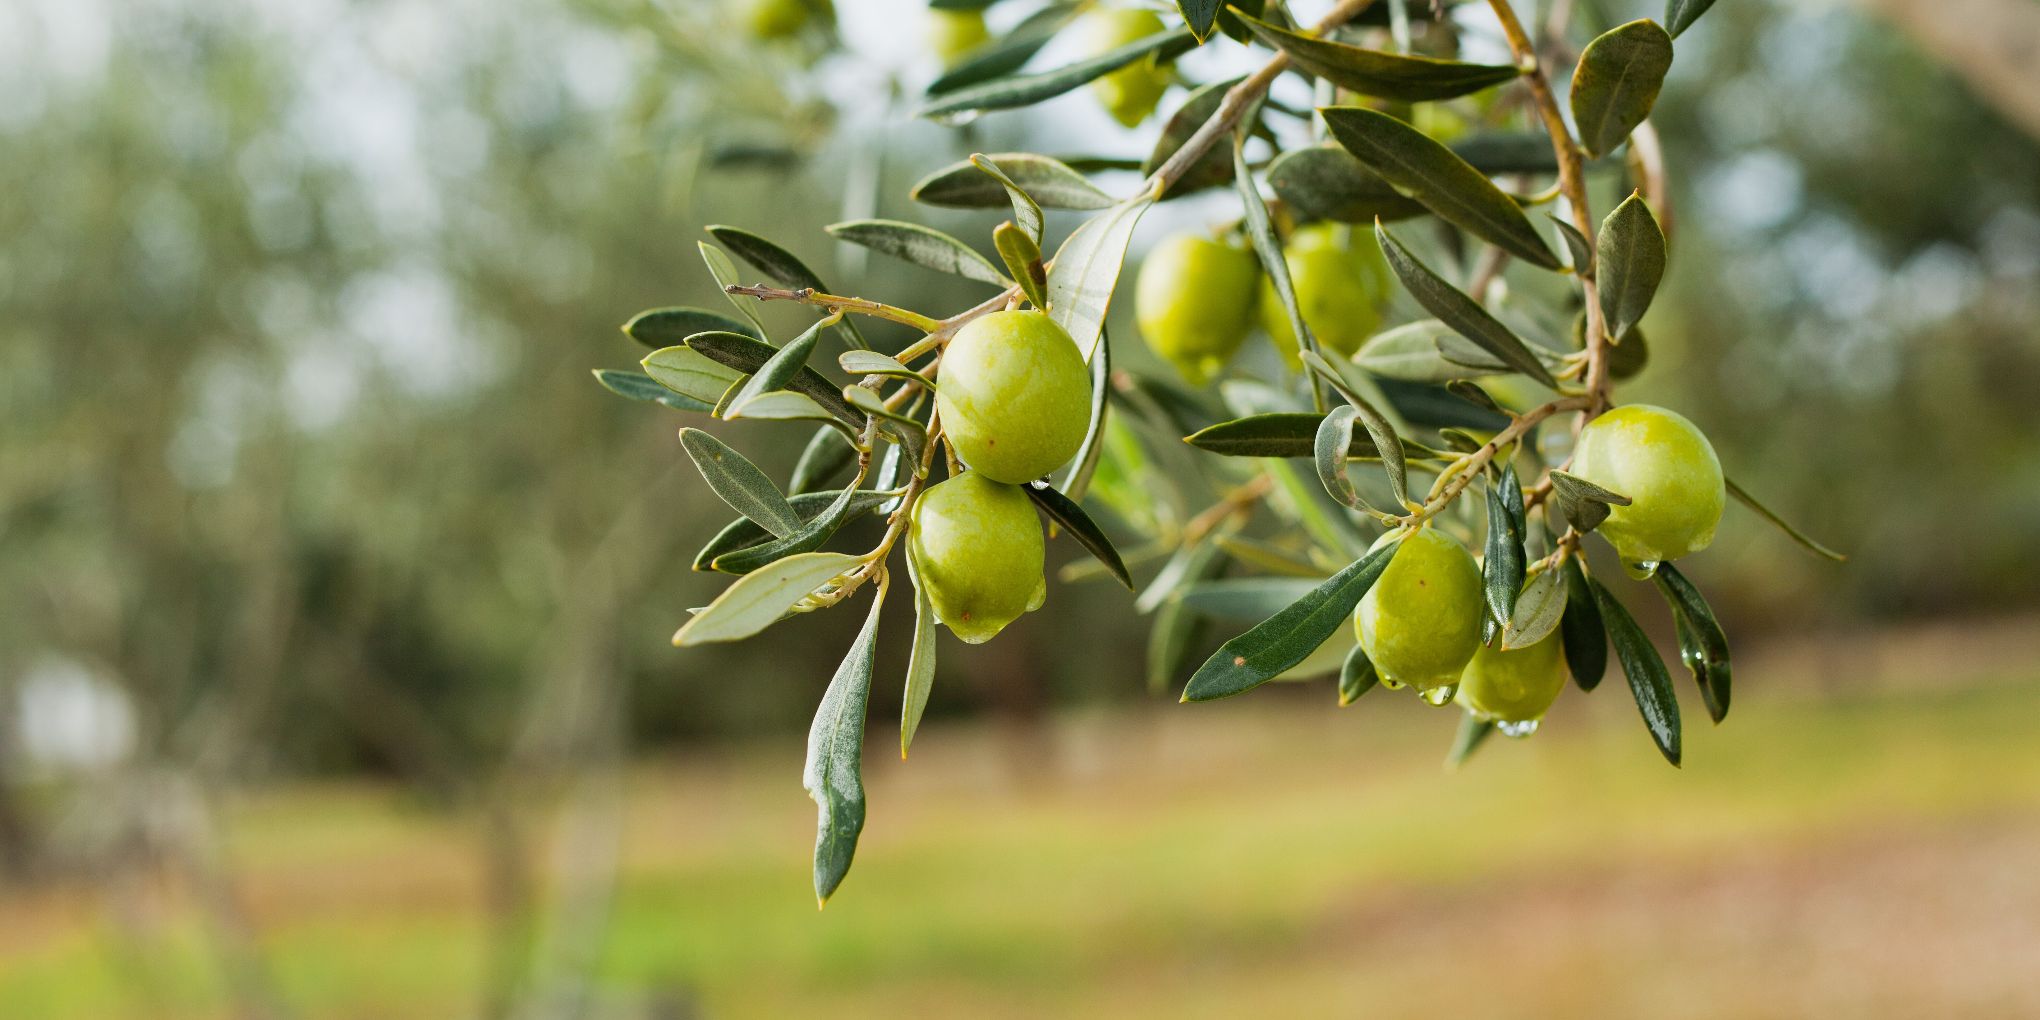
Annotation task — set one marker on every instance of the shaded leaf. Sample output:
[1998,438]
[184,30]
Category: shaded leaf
[1066,513]
[1026,211]
[826,453]
[835,758]
[1458,310]
[1086,271]
[763,597]
[743,533]
[1473,731]
[725,273]
[1387,444]
[1703,645]
[1680,14]
[1400,77]
[783,267]
[1648,679]
[1215,167]
[923,246]
[778,370]
[1078,481]
[1575,245]
[1280,434]
[1285,639]
[1617,82]
[1200,15]
[1504,560]
[638,386]
[1583,504]
[1334,439]
[1027,89]
[670,327]
[746,355]
[1432,174]
[1806,541]
[1426,351]
[1325,182]
[1631,263]
[920,658]
[808,538]
[1584,638]
[1022,257]
[1538,610]
[1245,599]
[1008,53]
[1357,676]
[1050,183]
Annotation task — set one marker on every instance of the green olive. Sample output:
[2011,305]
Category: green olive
[1668,470]
[1420,622]
[1131,93]
[1014,395]
[1514,686]
[954,35]
[779,19]
[1194,301]
[1341,287]
[977,552]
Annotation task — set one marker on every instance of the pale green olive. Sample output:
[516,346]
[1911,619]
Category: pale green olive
[977,552]
[954,35]
[1514,686]
[1194,301]
[1014,395]
[1420,622]
[1668,470]
[1341,285]
[778,19]
[1131,93]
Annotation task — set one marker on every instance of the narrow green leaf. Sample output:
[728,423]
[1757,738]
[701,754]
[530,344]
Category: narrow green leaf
[1086,271]
[1078,481]
[1504,560]
[911,435]
[779,369]
[689,374]
[920,659]
[1575,245]
[808,538]
[739,482]
[1049,183]
[1356,677]
[1538,610]
[1648,679]
[1028,89]
[670,327]
[1334,439]
[1584,639]
[783,405]
[1283,640]
[1631,263]
[1806,541]
[1026,211]
[1169,639]
[1473,731]
[1278,434]
[743,533]
[1394,76]
[733,350]
[1455,308]
[1325,182]
[1215,167]
[1432,174]
[784,268]
[638,386]
[923,246]
[1426,351]
[835,758]
[1008,53]
[1583,504]
[1022,257]
[1200,15]
[1680,14]
[725,273]
[1387,444]
[763,597]
[1617,82]
[1071,517]
[1703,645]
[874,363]
[1245,599]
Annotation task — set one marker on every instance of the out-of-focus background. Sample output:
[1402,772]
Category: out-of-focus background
[334,594]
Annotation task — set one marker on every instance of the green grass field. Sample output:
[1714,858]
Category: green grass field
[1868,855]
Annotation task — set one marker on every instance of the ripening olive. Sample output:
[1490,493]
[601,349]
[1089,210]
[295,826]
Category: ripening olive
[1341,287]
[1194,301]
[778,19]
[1014,395]
[977,552]
[1668,470]
[1420,622]
[1130,93]
[1513,686]
[954,34]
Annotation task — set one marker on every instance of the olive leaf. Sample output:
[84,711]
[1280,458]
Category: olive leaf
[807,538]
[763,597]
[1631,263]
[1580,631]
[739,483]
[1473,731]
[874,363]
[1214,167]
[1049,183]
[1245,599]
[833,775]
[1027,89]
[777,370]
[1426,351]
[1176,626]
[1449,186]
[744,533]
[1703,645]
[922,246]
[638,386]
[1022,256]
[1648,679]
[1066,513]
[920,658]
[1285,639]
[1394,76]
[1504,561]
[734,350]
[1278,434]
[911,435]
[1200,15]
[1617,82]
[783,267]
[1455,308]
[1262,233]
[1538,610]
[1008,53]
[1472,393]
[1085,463]
[1387,444]
[670,327]
[1026,211]
[1805,541]
[1576,245]
[725,273]
[826,453]
[1583,504]
[1086,271]
[1357,676]
[1334,439]
[1325,182]
[1680,14]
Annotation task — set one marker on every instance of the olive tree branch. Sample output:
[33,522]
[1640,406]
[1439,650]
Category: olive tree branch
[1461,473]
[835,303]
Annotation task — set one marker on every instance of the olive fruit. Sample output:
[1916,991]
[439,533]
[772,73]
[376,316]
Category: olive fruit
[1515,686]
[1668,470]
[955,34]
[1340,288]
[976,547]
[1014,395]
[1194,301]
[1130,93]
[778,19]
[1420,622]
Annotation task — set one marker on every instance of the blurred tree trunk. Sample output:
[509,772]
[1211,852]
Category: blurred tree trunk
[1992,45]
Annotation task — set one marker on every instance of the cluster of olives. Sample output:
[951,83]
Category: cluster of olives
[1014,402]
[1198,297]
[1420,625]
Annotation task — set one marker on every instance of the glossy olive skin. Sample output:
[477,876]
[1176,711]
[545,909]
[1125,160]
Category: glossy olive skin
[1513,686]
[954,35]
[977,552]
[1194,301]
[1341,284]
[779,19]
[1131,93]
[1669,471]
[1015,395]
[1420,622]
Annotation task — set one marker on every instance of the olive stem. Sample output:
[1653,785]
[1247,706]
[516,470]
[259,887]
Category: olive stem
[835,303]
[1461,473]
